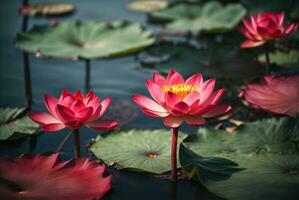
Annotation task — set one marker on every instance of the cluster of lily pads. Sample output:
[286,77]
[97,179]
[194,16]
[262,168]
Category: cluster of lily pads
[248,149]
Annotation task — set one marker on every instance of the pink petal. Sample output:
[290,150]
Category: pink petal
[53,127]
[218,110]
[64,113]
[160,80]
[155,91]
[171,99]
[176,78]
[73,124]
[280,18]
[180,108]
[191,98]
[169,76]
[147,103]
[206,90]
[216,96]
[103,125]
[172,122]
[154,113]
[248,26]
[104,105]
[194,120]
[250,44]
[94,103]
[77,106]
[43,118]
[67,101]
[51,103]
[96,114]
[78,95]
[195,80]
[84,114]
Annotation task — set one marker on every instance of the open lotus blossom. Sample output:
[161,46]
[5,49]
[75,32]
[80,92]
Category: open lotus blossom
[73,111]
[178,101]
[276,94]
[264,27]
[44,177]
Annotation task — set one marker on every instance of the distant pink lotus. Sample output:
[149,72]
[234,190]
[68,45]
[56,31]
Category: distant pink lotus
[264,27]
[73,111]
[46,178]
[276,94]
[178,101]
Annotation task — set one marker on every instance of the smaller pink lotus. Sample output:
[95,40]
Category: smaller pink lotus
[47,178]
[73,111]
[178,101]
[276,94]
[264,27]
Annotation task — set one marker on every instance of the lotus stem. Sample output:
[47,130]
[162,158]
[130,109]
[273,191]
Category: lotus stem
[62,143]
[267,58]
[87,75]
[77,143]
[27,79]
[174,174]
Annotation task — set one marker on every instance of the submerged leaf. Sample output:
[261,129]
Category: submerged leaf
[209,17]
[143,150]
[88,40]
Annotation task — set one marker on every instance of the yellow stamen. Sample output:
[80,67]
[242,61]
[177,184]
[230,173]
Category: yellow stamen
[180,90]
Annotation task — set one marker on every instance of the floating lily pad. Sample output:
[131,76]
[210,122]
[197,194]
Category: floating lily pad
[206,168]
[274,177]
[47,9]
[209,17]
[87,40]
[263,136]
[147,5]
[226,62]
[13,124]
[142,150]
[282,58]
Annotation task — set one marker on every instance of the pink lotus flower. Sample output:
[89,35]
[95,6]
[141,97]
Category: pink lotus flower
[72,111]
[46,178]
[264,27]
[178,101]
[277,94]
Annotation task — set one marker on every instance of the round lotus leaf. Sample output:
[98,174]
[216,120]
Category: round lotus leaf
[47,9]
[226,62]
[141,150]
[147,5]
[269,176]
[282,58]
[14,125]
[87,40]
[209,17]
[275,135]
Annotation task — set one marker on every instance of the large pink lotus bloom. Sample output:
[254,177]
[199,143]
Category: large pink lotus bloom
[73,111]
[264,27]
[178,101]
[276,94]
[46,178]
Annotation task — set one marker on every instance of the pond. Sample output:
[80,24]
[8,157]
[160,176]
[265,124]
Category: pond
[121,77]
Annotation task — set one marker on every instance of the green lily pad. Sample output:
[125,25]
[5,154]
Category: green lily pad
[209,17]
[47,9]
[147,5]
[274,177]
[275,135]
[282,58]
[87,40]
[206,168]
[226,62]
[142,150]
[13,124]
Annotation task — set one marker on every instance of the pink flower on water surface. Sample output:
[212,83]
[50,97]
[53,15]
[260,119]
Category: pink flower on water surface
[178,101]
[265,26]
[46,178]
[73,111]
[276,94]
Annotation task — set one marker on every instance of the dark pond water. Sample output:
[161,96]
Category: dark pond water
[118,78]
